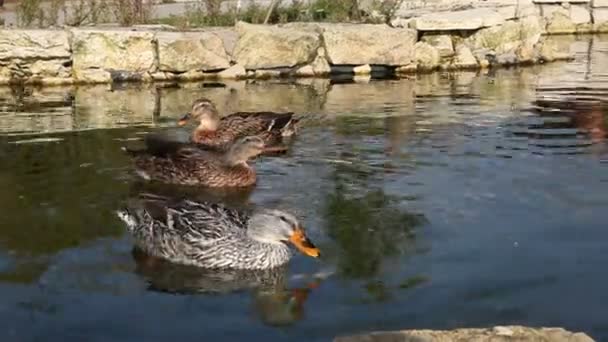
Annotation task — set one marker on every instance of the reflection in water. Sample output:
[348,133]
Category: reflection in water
[274,302]
[368,229]
[471,164]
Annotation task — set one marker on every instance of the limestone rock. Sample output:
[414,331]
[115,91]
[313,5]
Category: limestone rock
[320,66]
[97,53]
[369,44]
[472,19]
[427,56]
[365,69]
[508,333]
[600,19]
[266,74]
[550,51]
[443,43]
[579,15]
[508,58]
[305,71]
[34,44]
[508,36]
[262,46]
[599,3]
[406,69]
[464,58]
[234,72]
[525,54]
[51,68]
[184,51]
[560,22]
[193,75]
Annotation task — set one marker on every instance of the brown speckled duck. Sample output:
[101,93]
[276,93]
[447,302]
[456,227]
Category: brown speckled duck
[218,133]
[190,165]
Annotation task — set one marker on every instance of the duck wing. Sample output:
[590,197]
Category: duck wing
[252,123]
[200,222]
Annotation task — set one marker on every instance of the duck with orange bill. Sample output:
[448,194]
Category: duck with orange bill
[213,236]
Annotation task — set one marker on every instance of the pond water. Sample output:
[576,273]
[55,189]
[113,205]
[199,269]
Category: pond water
[440,201]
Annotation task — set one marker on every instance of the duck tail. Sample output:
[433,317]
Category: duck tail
[130,151]
[291,128]
[128,217]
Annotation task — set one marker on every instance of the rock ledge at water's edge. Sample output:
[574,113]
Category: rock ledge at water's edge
[433,41]
[496,334]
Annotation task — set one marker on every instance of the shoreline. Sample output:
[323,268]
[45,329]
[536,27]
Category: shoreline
[472,39]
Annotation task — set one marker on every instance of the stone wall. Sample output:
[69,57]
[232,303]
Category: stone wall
[499,333]
[483,35]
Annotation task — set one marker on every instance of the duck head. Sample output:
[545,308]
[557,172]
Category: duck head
[204,112]
[244,149]
[277,227]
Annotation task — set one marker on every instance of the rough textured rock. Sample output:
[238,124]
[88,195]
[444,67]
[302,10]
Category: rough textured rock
[464,58]
[234,72]
[508,36]
[427,56]
[267,74]
[97,54]
[34,56]
[559,22]
[549,51]
[184,51]
[579,15]
[599,3]
[472,19]
[600,19]
[369,44]
[365,69]
[43,44]
[261,46]
[442,42]
[320,66]
[508,333]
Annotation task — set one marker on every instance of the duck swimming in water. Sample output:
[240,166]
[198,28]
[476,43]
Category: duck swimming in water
[212,236]
[218,133]
[190,165]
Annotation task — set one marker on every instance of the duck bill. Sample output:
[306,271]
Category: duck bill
[184,119]
[303,244]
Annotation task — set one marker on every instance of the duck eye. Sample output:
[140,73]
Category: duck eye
[283,218]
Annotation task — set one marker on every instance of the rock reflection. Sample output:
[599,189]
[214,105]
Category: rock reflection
[274,302]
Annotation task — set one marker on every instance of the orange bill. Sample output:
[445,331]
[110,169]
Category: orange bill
[303,244]
[184,119]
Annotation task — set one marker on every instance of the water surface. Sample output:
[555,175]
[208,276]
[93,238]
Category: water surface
[440,201]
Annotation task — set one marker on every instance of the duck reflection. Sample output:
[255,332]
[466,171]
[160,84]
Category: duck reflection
[565,127]
[274,302]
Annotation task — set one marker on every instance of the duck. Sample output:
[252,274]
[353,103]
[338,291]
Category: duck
[213,236]
[185,164]
[217,133]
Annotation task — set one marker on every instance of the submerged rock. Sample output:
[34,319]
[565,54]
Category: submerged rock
[507,333]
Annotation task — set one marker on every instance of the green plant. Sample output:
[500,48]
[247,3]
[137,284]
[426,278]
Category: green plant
[29,11]
[130,12]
